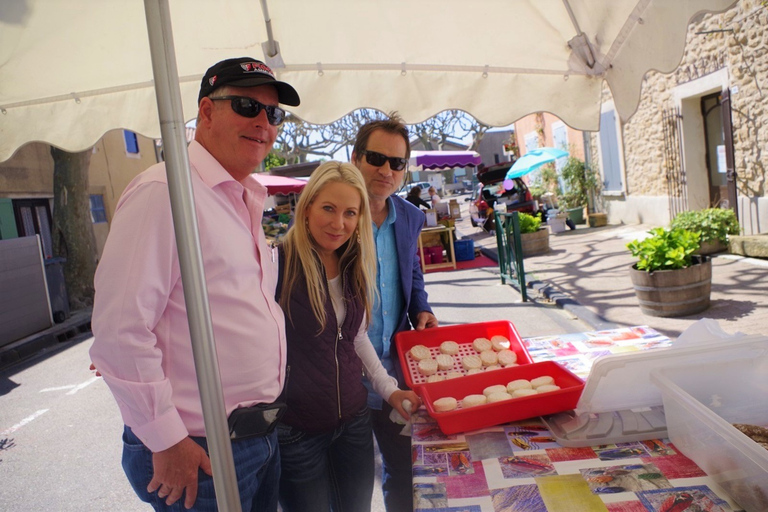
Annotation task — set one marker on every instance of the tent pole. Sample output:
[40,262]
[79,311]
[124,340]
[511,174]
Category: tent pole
[190,255]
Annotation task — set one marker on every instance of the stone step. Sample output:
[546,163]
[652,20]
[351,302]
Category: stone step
[754,246]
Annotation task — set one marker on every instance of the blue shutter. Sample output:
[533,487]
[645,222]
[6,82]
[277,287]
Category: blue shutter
[98,213]
[609,147]
[131,142]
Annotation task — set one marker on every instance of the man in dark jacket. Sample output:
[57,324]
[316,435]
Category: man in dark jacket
[381,153]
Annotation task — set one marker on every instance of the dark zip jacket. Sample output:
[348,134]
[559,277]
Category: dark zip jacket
[325,388]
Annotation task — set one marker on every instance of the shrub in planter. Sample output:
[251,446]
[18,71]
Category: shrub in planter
[665,249]
[713,224]
[580,183]
[529,223]
[669,279]
[535,239]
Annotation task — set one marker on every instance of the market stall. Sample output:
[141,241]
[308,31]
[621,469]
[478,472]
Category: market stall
[439,161]
[278,211]
[589,459]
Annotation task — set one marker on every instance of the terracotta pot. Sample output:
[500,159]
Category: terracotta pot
[672,293]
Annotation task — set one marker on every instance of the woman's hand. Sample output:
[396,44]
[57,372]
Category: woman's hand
[397,398]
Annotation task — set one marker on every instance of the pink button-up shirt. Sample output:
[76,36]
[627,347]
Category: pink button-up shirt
[142,343]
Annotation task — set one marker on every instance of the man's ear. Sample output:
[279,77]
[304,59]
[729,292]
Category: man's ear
[205,110]
[354,158]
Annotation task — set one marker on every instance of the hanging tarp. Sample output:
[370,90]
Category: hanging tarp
[280,184]
[70,70]
[436,160]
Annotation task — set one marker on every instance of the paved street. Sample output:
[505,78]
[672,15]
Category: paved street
[60,430]
[587,271]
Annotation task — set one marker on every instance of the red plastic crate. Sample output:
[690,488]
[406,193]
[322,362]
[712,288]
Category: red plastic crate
[497,413]
[464,335]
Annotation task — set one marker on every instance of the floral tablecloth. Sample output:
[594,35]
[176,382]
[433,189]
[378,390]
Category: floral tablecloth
[518,467]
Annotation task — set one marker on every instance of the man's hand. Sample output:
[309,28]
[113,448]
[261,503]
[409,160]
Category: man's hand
[396,401]
[175,471]
[424,320]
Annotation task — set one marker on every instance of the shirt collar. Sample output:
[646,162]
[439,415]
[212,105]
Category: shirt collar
[391,214]
[214,174]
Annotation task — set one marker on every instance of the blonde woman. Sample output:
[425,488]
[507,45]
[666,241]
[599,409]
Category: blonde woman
[434,197]
[326,287]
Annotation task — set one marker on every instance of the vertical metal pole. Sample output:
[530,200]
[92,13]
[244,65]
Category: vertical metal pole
[190,255]
[501,247]
[518,245]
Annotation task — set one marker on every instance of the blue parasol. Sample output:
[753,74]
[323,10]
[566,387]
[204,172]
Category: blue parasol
[532,160]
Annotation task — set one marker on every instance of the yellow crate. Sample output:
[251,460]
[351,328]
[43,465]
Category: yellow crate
[431,239]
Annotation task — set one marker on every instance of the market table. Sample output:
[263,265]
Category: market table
[519,467]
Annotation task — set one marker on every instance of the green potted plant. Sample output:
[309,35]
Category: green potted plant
[713,225]
[668,277]
[534,237]
[580,184]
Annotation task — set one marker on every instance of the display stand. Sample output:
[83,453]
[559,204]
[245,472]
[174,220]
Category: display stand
[439,230]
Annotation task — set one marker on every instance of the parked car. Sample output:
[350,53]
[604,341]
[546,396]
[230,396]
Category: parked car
[424,185]
[491,191]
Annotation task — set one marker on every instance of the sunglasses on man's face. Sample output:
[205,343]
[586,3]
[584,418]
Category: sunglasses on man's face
[377,159]
[249,107]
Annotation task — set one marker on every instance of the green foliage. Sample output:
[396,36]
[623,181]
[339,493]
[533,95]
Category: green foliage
[544,181]
[580,181]
[529,223]
[712,224]
[665,249]
[273,160]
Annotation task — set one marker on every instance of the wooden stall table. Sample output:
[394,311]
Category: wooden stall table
[519,467]
[439,231]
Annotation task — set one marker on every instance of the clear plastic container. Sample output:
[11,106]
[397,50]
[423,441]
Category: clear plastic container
[703,400]
[620,403]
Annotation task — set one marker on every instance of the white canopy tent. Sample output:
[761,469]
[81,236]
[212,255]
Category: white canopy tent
[70,70]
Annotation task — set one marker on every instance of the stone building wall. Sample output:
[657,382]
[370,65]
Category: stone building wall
[732,48]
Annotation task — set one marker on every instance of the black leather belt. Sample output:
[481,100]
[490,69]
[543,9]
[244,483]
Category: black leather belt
[257,420]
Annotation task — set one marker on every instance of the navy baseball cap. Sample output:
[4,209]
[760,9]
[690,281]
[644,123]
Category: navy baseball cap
[245,72]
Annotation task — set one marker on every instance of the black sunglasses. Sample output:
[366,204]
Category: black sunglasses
[377,159]
[249,107]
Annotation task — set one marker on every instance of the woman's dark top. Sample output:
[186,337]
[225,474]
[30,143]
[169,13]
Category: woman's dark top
[417,201]
[326,388]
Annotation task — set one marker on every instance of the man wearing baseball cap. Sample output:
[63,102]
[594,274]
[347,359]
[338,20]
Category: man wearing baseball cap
[142,343]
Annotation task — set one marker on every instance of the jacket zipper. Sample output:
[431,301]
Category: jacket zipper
[339,337]
[338,373]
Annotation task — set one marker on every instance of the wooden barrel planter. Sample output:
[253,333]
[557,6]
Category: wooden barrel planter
[535,243]
[711,247]
[672,293]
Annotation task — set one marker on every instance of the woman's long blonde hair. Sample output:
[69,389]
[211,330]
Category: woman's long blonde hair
[358,253]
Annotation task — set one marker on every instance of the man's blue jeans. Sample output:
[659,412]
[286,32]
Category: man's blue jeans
[395,449]
[257,465]
[328,471]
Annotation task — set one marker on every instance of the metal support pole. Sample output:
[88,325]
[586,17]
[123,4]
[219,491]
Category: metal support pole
[190,255]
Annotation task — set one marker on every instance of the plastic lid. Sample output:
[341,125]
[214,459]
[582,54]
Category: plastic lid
[621,382]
